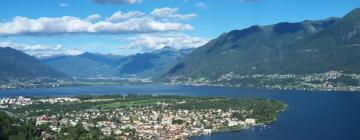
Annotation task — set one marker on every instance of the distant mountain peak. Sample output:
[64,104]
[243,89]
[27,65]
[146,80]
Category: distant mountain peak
[166,49]
[86,53]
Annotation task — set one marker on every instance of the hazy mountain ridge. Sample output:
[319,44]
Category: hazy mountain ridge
[16,65]
[91,65]
[152,64]
[80,66]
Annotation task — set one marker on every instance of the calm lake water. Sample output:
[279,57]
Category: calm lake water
[310,115]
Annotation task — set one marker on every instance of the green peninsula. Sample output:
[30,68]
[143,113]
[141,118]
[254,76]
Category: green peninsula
[130,117]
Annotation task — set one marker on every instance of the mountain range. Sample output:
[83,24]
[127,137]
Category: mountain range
[92,65]
[284,48]
[301,48]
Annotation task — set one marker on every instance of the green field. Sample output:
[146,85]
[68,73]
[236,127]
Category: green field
[135,103]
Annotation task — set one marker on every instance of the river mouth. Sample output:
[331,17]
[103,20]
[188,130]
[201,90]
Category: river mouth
[309,115]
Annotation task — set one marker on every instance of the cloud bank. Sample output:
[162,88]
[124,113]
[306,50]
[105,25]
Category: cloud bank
[167,13]
[147,43]
[159,20]
[201,5]
[41,50]
[120,16]
[64,5]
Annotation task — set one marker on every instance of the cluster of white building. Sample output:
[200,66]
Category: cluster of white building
[149,123]
[58,100]
[5,102]
[23,101]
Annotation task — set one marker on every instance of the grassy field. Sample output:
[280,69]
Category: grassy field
[134,103]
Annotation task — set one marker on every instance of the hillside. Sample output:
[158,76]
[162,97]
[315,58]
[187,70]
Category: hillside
[151,64]
[336,48]
[302,48]
[248,51]
[15,64]
[81,66]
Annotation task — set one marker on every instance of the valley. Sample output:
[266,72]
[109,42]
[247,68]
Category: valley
[179,70]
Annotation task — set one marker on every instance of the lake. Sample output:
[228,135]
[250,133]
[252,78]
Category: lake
[311,115]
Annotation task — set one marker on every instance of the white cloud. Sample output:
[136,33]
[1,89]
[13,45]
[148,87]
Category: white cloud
[117,1]
[201,5]
[93,18]
[170,13]
[41,50]
[119,16]
[147,42]
[118,23]
[64,5]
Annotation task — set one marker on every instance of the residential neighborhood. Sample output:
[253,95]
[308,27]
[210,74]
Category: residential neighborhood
[328,81]
[148,123]
[140,117]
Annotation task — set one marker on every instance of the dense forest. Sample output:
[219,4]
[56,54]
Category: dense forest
[13,129]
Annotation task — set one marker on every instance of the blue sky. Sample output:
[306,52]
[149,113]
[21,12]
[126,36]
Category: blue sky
[193,22]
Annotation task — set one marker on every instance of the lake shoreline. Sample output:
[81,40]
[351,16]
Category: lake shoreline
[306,109]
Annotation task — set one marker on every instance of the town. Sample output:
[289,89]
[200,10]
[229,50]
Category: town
[143,117]
[46,82]
[328,81]
[23,101]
